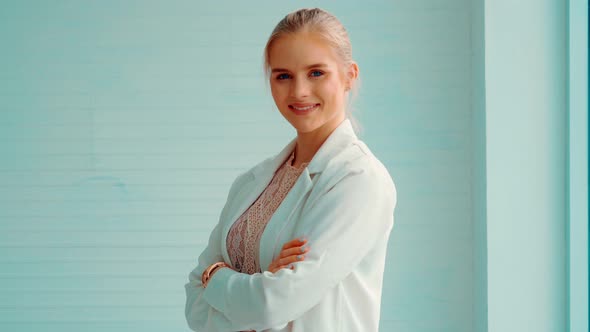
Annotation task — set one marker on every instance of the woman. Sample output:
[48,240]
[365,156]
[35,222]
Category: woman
[301,241]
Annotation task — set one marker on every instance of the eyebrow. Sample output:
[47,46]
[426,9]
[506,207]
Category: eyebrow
[315,65]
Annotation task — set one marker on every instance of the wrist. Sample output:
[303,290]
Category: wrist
[208,273]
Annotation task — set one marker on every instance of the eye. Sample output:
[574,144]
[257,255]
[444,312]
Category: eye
[316,73]
[282,76]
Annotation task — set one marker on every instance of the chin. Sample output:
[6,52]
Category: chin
[302,124]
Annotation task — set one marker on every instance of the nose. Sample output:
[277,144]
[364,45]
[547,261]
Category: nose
[299,88]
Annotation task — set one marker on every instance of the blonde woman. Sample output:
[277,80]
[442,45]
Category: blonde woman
[301,241]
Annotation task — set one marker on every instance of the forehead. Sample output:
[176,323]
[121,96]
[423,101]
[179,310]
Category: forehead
[298,51]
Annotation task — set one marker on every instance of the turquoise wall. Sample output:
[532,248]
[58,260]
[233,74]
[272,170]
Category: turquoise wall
[124,123]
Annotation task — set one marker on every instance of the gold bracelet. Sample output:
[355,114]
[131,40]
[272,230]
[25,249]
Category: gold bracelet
[209,272]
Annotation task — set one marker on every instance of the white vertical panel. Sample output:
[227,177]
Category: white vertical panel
[578,166]
[525,70]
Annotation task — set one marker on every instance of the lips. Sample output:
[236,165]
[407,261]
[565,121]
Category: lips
[303,107]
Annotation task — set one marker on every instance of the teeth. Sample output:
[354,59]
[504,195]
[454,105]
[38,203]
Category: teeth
[304,108]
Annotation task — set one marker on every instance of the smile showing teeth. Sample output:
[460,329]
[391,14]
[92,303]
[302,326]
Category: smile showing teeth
[304,108]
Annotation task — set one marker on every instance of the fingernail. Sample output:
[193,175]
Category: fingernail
[300,257]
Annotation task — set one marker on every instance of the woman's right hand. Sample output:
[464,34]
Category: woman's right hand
[293,251]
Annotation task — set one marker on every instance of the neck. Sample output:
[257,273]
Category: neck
[309,143]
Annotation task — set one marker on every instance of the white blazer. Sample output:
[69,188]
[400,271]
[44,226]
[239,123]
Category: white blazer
[343,202]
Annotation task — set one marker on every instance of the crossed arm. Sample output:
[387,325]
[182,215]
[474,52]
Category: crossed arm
[341,226]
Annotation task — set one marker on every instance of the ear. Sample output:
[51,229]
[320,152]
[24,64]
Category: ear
[352,74]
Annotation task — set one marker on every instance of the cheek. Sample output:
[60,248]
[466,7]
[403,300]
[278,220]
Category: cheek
[277,87]
[278,94]
[331,90]
[274,91]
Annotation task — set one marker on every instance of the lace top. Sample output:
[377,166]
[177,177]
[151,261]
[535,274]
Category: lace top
[244,236]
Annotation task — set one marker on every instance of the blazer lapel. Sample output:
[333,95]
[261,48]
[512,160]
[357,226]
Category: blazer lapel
[281,217]
[261,175]
[259,178]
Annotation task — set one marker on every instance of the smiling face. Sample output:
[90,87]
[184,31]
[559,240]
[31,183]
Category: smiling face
[308,82]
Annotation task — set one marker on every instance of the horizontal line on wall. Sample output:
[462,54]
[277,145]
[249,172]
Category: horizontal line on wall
[57,276]
[114,260]
[141,291]
[225,124]
[84,306]
[86,322]
[80,229]
[100,169]
[86,110]
[147,137]
[44,217]
[101,215]
[186,246]
[66,291]
[181,230]
[132,154]
[126,184]
[26,200]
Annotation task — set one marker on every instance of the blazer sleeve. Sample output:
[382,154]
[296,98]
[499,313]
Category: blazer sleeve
[200,315]
[342,226]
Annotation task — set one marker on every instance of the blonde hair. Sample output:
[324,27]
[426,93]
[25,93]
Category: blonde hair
[330,29]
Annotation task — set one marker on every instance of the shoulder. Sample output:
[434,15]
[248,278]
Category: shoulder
[356,164]
[242,177]
[357,158]
[248,174]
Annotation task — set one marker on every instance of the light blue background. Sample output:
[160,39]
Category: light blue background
[122,125]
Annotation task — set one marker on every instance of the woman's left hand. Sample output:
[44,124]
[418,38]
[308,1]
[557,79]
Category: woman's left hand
[293,251]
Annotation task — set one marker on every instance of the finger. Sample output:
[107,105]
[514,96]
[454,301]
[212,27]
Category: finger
[291,259]
[295,242]
[286,260]
[294,251]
